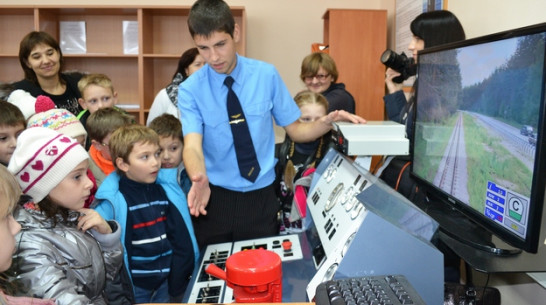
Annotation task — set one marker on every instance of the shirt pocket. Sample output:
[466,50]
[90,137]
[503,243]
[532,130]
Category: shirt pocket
[216,132]
[259,109]
[260,121]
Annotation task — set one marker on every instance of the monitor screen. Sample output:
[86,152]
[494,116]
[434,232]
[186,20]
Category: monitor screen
[479,124]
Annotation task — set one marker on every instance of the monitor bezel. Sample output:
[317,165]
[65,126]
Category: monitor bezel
[531,241]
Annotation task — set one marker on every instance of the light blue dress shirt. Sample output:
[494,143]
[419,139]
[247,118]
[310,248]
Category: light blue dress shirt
[263,96]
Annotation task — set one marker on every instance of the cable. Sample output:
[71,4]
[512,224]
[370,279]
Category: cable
[400,174]
[484,287]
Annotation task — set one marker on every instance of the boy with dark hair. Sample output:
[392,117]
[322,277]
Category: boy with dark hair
[150,206]
[12,123]
[100,126]
[171,142]
[233,143]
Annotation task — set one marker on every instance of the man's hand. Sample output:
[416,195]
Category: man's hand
[342,115]
[199,194]
[90,219]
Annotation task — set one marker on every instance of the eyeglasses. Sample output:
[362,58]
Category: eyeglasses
[319,77]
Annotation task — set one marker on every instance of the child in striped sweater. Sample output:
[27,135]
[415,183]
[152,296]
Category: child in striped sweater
[150,206]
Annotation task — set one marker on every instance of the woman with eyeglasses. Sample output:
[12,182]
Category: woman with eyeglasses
[319,74]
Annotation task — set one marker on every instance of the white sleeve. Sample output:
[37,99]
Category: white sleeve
[159,106]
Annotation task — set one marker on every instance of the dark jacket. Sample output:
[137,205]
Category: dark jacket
[339,98]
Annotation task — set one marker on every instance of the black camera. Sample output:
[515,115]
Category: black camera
[399,63]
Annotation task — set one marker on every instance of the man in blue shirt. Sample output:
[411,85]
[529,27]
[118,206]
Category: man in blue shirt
[226,206]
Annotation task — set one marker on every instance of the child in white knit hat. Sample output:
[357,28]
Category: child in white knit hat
[66,123]
[65,251]
[60,120]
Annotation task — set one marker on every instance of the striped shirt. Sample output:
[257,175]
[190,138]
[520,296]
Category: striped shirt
[149,249]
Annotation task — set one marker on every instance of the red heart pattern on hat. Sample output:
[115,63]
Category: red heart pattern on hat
[65,140]
[38,165]
[53,150]
[25,177]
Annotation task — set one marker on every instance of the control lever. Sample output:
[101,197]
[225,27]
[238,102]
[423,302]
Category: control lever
[216,271]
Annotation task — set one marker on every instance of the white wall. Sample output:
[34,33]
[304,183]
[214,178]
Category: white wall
[490,16]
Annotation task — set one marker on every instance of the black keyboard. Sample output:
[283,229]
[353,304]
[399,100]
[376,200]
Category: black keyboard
[368,290]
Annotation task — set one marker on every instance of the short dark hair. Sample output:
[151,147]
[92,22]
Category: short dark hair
[11,115]
[185,61]
[28,43]
[209,16]
[167,125]
[437,28]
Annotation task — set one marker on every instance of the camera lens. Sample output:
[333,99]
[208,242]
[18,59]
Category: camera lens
[387,56]
[400,63]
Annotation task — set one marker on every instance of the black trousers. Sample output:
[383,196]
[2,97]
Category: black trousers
[233,216]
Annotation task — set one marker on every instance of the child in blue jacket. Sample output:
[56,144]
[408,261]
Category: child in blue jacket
[150,207]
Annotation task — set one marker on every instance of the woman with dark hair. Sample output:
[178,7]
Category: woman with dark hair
[42,61]
[319,74]
[167,99]
[429,29]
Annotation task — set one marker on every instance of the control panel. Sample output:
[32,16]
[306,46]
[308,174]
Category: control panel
[209,289]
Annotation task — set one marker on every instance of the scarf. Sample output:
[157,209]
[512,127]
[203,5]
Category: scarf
[105,165]
[172,88]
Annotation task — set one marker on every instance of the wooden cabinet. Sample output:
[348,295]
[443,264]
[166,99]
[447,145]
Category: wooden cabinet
[162,37]
[356,39]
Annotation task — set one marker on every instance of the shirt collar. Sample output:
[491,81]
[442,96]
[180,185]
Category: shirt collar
[220,77]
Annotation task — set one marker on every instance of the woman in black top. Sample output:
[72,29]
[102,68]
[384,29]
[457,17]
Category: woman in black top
[429,29]
[42,61]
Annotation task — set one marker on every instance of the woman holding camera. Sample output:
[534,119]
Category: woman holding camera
[429,29]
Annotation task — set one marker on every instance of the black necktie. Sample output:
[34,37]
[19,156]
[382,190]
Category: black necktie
[244,148]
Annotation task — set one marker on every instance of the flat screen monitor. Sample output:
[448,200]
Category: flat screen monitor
[479,129]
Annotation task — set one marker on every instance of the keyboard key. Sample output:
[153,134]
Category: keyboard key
[369,290]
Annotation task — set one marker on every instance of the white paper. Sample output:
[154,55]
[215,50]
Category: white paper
[130,37]
[72,37]
[364,161]
[128,106]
